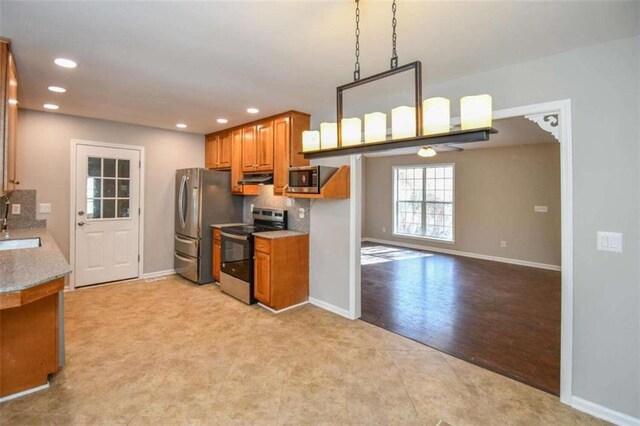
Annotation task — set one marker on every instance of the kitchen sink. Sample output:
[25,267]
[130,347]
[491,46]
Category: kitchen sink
[20,243]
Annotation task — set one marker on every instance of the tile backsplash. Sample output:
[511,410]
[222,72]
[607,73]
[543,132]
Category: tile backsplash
[28,208]
[267,199]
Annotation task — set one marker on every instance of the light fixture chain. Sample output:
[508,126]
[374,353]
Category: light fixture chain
[356,72]
[394,52]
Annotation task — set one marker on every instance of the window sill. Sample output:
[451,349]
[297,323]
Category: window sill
[421,238]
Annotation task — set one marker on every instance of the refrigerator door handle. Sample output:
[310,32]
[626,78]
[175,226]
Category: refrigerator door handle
[181,206]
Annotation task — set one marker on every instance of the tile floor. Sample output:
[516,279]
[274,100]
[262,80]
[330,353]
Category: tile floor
[170,352]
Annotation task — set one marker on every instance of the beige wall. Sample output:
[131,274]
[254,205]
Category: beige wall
[44,141]
[496,190]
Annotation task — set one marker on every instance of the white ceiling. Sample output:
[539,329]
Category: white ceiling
[160,63]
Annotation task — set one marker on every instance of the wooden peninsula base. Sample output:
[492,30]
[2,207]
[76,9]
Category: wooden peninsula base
[28,337]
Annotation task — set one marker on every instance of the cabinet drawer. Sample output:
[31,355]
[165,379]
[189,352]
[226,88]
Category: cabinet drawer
[263,245]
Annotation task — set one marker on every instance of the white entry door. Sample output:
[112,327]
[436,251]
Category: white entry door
[107,214]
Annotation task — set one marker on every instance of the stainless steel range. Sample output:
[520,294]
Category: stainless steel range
[236,272]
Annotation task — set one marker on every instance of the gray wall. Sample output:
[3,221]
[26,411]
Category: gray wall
[603,84]
[495,192]
[44,141]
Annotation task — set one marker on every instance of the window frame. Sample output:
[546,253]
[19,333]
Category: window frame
[424,202]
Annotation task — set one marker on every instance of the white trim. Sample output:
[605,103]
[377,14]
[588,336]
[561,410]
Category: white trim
[157,274]
[355,234]
[329,307]
[563,109]
[273,311]
[466,254]
[72,200]
[604,413]
[25,392]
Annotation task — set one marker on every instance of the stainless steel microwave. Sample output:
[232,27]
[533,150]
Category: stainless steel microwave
[309,179]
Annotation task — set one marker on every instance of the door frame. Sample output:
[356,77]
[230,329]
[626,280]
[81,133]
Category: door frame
[563,109]
[72,200]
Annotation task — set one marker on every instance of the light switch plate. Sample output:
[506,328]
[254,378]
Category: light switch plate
[610,241]
[540,209]
[44,208]
[15,208]
[289,202]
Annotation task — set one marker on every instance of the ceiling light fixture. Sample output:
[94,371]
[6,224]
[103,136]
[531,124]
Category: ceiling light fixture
[427,151]
[51,106]
[253,110]
[57,89]
[222,120]
[181,126]
[425,123]
[65,63]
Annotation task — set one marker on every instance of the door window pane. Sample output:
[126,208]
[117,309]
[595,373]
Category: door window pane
[95,166]
[109,209]
[109,167]
[123,188]
[123,208]
[109,189]
[93,187]
[123,168]
[93,208]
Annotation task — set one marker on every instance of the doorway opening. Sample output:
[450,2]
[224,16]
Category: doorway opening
[106,204]
[489,291]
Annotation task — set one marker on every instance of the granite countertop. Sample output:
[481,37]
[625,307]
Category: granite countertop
[24,268]
[222,225]
[271,235]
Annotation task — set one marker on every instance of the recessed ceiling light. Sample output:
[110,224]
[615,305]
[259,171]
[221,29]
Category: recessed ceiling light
[13,101]
[65,63]
[181,126]
[57,89]
[253,110]
[51,106]
[222,120]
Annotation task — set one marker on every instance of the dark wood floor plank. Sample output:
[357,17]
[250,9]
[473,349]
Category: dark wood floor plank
[503,317]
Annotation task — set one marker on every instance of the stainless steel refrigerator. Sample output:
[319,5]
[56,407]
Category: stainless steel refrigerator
[203,198]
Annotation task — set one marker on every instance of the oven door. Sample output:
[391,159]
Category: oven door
[237,256]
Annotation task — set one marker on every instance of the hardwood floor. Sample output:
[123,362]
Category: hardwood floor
[503,317]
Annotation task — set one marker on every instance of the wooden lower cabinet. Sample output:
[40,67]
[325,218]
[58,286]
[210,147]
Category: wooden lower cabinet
[217,246]
[281,271]
[28,337]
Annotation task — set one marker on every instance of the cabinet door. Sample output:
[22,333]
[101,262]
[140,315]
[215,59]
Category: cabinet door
[264,147]
[12,124]
[249,149]
[262,277]
[224,151]
[216,260]
[236,161]
[281,139]
[210,152]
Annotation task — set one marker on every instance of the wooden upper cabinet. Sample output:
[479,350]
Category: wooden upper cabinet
[236,161]
[210,152]
[264,147]
[8,118]
[281,143]
[224,152]
[249,149]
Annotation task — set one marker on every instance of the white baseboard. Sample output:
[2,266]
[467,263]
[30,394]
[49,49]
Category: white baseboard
[273,311]
[157,274]
[604,413]
[329,307]
[466,254]
[25,392]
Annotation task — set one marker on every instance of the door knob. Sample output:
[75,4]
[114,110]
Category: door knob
[82,223]
[80,213]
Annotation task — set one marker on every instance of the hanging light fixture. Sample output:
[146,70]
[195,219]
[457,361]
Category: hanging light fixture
[423,124]
[427,151]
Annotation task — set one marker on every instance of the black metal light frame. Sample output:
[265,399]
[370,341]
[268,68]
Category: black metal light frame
[458,136]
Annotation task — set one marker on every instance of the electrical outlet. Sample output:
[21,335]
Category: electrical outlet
[251,207]
[15,208]
[540,209]
[503,243]
[289,202]
[301,213]
[44,208]
[610,241]
[384,229]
